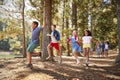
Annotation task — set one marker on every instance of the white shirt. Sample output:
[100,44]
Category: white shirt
[53,39]
[106,46]
[86,39]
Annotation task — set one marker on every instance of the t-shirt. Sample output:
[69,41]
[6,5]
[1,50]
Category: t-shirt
[35,35]
[53,39]
[106,46]
[86,39]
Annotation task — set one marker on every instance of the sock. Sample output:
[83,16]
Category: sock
[87,61]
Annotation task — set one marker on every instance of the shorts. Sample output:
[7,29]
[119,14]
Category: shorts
[77,49]
[55,45]
[106,50]
[32,47]
[86,45]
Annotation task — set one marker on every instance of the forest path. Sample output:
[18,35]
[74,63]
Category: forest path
[99,69]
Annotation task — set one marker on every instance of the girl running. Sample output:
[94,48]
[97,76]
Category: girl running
[87,40]
[75,45]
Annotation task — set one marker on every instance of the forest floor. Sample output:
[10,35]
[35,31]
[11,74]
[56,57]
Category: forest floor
[99,69]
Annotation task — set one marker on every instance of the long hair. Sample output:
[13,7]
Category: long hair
[89,32]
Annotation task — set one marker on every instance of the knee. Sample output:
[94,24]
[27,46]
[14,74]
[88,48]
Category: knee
[48,47]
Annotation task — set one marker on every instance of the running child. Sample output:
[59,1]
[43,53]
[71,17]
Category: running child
[87,40]
[34,42]
[75,45]
[55,37]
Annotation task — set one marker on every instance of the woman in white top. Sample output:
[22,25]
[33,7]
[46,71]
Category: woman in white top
[87,40]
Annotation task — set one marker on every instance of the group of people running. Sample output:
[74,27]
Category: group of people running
[86,40]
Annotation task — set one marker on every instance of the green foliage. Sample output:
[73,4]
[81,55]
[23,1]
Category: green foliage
[104,21]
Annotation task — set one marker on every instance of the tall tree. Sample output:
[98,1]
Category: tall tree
[47,29]
[23,25]
[74,13]
[118,16]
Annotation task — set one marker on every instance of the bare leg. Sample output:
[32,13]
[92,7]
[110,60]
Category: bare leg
[84,52]
[29,58]
[49,50]
[87,54]
[59,54]
[76,56]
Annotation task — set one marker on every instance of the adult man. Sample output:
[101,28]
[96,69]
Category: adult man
[34,42]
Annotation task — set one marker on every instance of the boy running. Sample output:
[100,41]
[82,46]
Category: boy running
[55,37]
[34,42]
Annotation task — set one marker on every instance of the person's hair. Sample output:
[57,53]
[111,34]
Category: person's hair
[36,23]
[107,42]
[89,32]
[54,26]
[74,30]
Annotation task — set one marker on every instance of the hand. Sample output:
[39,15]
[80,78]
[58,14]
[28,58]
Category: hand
[48,35]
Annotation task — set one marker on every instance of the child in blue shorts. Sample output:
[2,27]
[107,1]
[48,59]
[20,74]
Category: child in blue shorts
[75,45]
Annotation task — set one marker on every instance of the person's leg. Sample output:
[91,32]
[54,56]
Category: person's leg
[29,57]
[87,56]
[57,47]
[106,53]
[49,50]
[102,52]
[49,47]
[30,51]
[84,52]
[76,56]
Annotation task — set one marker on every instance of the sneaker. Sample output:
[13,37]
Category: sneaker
[78,61]
[87,64]
[49,58]
[29,66]
[60,61]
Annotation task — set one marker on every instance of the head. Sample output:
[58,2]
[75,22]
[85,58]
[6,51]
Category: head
[98,42]
[107,42]
[34,24]
[53,27]
[74,32]
[87,33]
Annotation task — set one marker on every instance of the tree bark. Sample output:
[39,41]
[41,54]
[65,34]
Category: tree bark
[47,29]
[68,48]
[23,24]
[118,16]
[74,14]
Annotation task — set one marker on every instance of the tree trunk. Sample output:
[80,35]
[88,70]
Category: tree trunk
[118,16]
[74,14]
[68,48]
[47,29]
[63,20]
[23,24]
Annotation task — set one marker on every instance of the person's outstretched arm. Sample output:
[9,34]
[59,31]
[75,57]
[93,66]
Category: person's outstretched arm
[44,24]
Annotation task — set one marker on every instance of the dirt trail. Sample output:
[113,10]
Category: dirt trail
[100,69]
